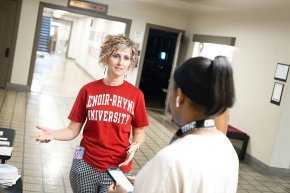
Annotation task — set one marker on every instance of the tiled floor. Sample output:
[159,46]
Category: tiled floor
[44,168]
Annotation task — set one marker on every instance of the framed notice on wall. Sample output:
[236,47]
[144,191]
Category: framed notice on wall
[96,7]
[277,93]
[281,72]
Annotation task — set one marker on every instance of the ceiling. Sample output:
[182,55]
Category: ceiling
[223,5]
[257,6]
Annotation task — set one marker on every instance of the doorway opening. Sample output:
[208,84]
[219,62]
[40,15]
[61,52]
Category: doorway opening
[55,33]
[210,46]
[211,50]
[67,36]
[161,53]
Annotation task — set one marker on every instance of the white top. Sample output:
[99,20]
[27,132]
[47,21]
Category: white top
[8,172]
[192,164]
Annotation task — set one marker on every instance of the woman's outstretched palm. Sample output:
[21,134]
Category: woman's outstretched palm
[45,136]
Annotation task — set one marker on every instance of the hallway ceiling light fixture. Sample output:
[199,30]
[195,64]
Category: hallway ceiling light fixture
[59,13]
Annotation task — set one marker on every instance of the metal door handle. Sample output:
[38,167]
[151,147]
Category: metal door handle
[7,52]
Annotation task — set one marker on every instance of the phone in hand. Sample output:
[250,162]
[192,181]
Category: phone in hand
[118,176]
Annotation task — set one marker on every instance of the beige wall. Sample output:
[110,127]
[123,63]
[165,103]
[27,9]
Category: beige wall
[261,44]
[24,42]
[262,41]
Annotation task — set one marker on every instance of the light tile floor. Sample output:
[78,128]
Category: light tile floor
[45,167]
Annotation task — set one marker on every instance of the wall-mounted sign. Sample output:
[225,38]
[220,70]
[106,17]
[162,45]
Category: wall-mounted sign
[97,7]
[277,93]
[281,72]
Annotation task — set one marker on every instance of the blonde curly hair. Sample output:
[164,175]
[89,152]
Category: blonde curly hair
[112,43]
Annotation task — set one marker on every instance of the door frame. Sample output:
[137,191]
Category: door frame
[88,13]
[13,41]
[178,47]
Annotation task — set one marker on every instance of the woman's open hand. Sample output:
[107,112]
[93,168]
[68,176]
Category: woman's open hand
[45,136]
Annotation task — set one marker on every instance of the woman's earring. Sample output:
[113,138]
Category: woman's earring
[105,70]
[177,101]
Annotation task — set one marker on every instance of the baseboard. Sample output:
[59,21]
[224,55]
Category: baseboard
[17,87]
[265,169]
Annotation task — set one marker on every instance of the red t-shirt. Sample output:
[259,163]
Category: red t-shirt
[109,112]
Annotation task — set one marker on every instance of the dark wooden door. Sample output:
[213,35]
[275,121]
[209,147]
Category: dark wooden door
[8,11]
[157,67]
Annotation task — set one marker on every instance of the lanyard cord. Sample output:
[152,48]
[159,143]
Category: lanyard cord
[192,125]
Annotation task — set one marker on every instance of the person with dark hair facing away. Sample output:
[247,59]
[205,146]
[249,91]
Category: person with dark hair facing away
[110,109]
[199,158]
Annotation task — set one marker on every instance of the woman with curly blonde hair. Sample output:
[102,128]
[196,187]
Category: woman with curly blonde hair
[200,158]
[109,109]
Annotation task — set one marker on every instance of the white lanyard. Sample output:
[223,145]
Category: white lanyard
[192,125]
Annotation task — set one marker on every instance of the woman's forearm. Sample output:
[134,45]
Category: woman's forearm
[138,135]
[68,133]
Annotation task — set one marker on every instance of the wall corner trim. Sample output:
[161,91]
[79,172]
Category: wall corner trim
[265,169]
[17,87]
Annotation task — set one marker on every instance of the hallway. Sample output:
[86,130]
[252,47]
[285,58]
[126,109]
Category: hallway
[44,168]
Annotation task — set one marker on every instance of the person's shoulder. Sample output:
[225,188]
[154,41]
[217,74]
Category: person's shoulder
[179,148]
[130,86]
[92,83]
[166,153]
[171,157]
[89,86]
